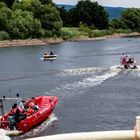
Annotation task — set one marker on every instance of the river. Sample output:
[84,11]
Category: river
[94,95]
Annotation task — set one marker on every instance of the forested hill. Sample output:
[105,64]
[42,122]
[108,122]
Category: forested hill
[114,12]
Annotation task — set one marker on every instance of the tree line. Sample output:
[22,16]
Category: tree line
[29,19]
[93,14]
[21,19]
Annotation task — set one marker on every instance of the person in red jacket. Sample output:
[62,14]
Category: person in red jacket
[15,116]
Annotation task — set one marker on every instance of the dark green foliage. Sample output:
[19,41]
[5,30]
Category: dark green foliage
[9,3]
[30,19]
[63,15]
[131,18]
[4,35]
[48,2]
[50,19]
[117,24]
[47,14]
[87,12]
[5,14]
[23,25]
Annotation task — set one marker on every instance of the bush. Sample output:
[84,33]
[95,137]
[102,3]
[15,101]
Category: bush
[68,33]
[47,33]
[4,35]
[83,27]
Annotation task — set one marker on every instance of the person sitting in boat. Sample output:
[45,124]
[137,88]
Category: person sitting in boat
[45,54]
[29,111]
[131,60]
[33,104]
[51,53]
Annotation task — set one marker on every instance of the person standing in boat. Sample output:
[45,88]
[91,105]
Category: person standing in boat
[123,59]
[15,116]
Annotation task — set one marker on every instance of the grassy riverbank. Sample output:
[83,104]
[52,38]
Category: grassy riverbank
[87,33]
[72,34]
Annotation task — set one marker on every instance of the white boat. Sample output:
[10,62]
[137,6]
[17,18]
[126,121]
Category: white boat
[50,57]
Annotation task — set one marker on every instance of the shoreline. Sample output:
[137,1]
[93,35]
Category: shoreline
[35,42]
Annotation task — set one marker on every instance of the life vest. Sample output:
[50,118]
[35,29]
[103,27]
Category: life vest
[13,111]
[29,111]
[31,104]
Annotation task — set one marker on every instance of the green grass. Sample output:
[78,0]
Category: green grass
[71,32]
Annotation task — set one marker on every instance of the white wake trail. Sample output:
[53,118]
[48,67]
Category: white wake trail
[93,80]
[82,71]
[97,76]
[35,131]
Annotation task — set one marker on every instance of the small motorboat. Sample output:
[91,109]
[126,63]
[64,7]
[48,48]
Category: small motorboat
[46,106]
[128,62]
[50,56]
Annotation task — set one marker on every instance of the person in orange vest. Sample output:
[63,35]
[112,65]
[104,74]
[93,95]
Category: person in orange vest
[14,109]
[29,111]
[33,104]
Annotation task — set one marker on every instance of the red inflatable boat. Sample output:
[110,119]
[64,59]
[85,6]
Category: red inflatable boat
[46,105]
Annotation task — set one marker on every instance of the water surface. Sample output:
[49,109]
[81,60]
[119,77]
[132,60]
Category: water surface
[93,94]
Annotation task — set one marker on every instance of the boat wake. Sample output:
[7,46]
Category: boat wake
[85,78]
[5,134]
[82,71]
[135,72]
[40,128]
[93,80]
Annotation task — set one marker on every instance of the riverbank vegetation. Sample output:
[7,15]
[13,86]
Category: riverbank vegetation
[41,19]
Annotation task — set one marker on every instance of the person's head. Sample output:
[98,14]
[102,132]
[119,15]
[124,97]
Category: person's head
[33,98]
[14,106]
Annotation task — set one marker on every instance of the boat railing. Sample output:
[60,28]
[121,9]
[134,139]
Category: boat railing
[5,98]
[100,135]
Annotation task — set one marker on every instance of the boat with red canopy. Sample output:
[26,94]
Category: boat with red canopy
[46,106]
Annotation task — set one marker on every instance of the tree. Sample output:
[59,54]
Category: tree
[47,2]
[23,25]
[47,14]
[63,15]
[5,15]
[9,3]
[117,24]
[50,19]
[90,13]
[131,18]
